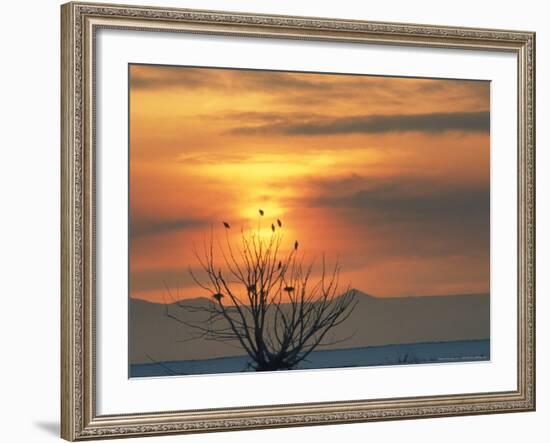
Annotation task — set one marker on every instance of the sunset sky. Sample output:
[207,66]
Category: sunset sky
[389,174]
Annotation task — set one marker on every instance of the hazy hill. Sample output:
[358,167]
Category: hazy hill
[375,321]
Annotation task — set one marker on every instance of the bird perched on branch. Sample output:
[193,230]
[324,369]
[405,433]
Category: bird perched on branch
[296,245]
[226,225]
[279,223]
[217,296]
[261,211]
[272,227]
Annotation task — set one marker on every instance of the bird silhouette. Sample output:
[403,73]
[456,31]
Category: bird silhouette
[296,245]
[279,223]
[226,225]
[280,265]
[272,227]
[218,296]
[289,289]
[261,211]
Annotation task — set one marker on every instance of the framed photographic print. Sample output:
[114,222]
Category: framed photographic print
[281,221]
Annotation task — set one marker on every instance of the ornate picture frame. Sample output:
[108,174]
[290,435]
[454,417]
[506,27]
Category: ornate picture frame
[79,387]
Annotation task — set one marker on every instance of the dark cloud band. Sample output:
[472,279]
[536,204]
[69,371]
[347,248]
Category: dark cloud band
[141,227]
[377,124]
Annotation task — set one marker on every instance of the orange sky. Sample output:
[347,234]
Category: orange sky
[389,174]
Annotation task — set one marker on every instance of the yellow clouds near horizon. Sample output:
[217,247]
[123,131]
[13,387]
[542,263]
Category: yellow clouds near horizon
[389,174]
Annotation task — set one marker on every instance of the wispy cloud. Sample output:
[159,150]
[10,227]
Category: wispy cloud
[302,89]
[376,124]
[395,203]
[142,227]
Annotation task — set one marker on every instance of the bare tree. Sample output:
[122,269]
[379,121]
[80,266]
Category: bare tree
[268,303]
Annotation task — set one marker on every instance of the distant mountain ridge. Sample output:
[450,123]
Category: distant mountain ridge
[375,321]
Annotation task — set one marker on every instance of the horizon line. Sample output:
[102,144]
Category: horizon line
[358,292]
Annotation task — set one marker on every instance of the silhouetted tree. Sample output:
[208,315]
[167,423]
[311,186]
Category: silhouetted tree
[267,303]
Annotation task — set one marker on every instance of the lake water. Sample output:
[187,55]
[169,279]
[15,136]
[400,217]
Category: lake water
[416,353]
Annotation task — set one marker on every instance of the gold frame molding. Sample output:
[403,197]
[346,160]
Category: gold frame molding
[79,22]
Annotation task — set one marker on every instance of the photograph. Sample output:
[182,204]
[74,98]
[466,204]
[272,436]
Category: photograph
[287,220]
